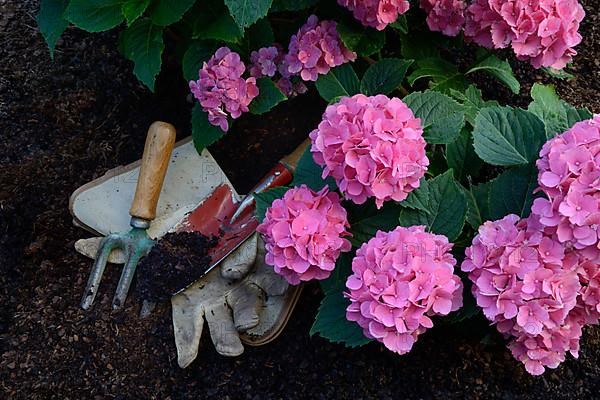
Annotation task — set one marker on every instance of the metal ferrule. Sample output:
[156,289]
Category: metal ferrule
[140,223]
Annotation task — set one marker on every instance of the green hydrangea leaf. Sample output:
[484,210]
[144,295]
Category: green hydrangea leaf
[500,69]
[309,173]
[461,157]
[442,117]
[447,208]
[197,53]
[330,322]
[512,192]
[51,22]
[94,15]
[203,132]
[472,101]
[268,97]
[364,41]
[167,12]
[443,75]
[507,136]
[142,43]
[247,12]
[133,9]
[557,115]
[338,82]
[418,199]
[366,220]
[384,76]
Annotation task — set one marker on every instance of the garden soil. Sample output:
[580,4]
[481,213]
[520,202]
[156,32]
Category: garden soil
[66,122]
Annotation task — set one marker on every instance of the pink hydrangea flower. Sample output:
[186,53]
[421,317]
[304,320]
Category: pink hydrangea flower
[569,175]
[376,13]
[265,61]
[372,146]
[315,49]
[304,234]
[221,90]
[544,32]
[446,16]
[532,289]
[399,280]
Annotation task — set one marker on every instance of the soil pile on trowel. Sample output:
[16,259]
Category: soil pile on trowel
[176,261]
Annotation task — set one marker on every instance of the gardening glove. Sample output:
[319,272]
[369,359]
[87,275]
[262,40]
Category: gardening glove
[229,298]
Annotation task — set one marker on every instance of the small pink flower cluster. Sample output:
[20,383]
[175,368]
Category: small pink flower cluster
[371,146]
[569,175]
[221,88]
[541,31]
[446,16]
[267,62]
[315,49]
[534,291]
[400,279]
[304,234]
[376,13]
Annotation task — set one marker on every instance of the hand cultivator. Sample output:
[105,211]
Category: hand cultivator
[136,243]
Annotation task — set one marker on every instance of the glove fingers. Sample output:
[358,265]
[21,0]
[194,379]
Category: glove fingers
[268,280]
[246,301]
[188,322]
[238,263]
[222,330]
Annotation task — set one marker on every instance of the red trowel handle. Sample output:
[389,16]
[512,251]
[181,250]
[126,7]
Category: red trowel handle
[280,175]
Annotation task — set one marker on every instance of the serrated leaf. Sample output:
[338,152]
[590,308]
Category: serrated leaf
[203,132]
[364,41]
[443,74]
[472,101]
[507,136]
[461,157]
[512,192]
[291,5]
[167,12]
[500,69]
[265,199]
[51,22]
[418,199]
[384,76]
[142,43]
[558,73]
[330,322]
[338,82]
[220,27]
[441,116]
[557,115]
[366,220]
[447,208]
[310,173]
[268,97]
[94,15]
[480,197]
[133,9]
[247,12]
[197,53]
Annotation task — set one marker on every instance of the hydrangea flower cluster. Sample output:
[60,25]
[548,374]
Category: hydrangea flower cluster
[532,289]
[569,175]
[446,16]
[372,147]
[315,49]
[304,234]
[400,279]
[221,90]
[541,31]
[267,62]
[376,13]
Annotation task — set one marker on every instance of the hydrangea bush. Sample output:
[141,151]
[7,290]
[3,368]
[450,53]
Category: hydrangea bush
[414,185]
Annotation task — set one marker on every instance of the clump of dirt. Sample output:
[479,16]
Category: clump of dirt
[176,261]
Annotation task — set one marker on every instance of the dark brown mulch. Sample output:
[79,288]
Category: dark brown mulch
[176,261]
[65,123]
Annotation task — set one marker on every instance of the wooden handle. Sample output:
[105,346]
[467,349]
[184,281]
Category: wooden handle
[291,160]
[157,153]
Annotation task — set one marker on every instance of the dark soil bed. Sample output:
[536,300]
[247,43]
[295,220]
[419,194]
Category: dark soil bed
[67,122]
